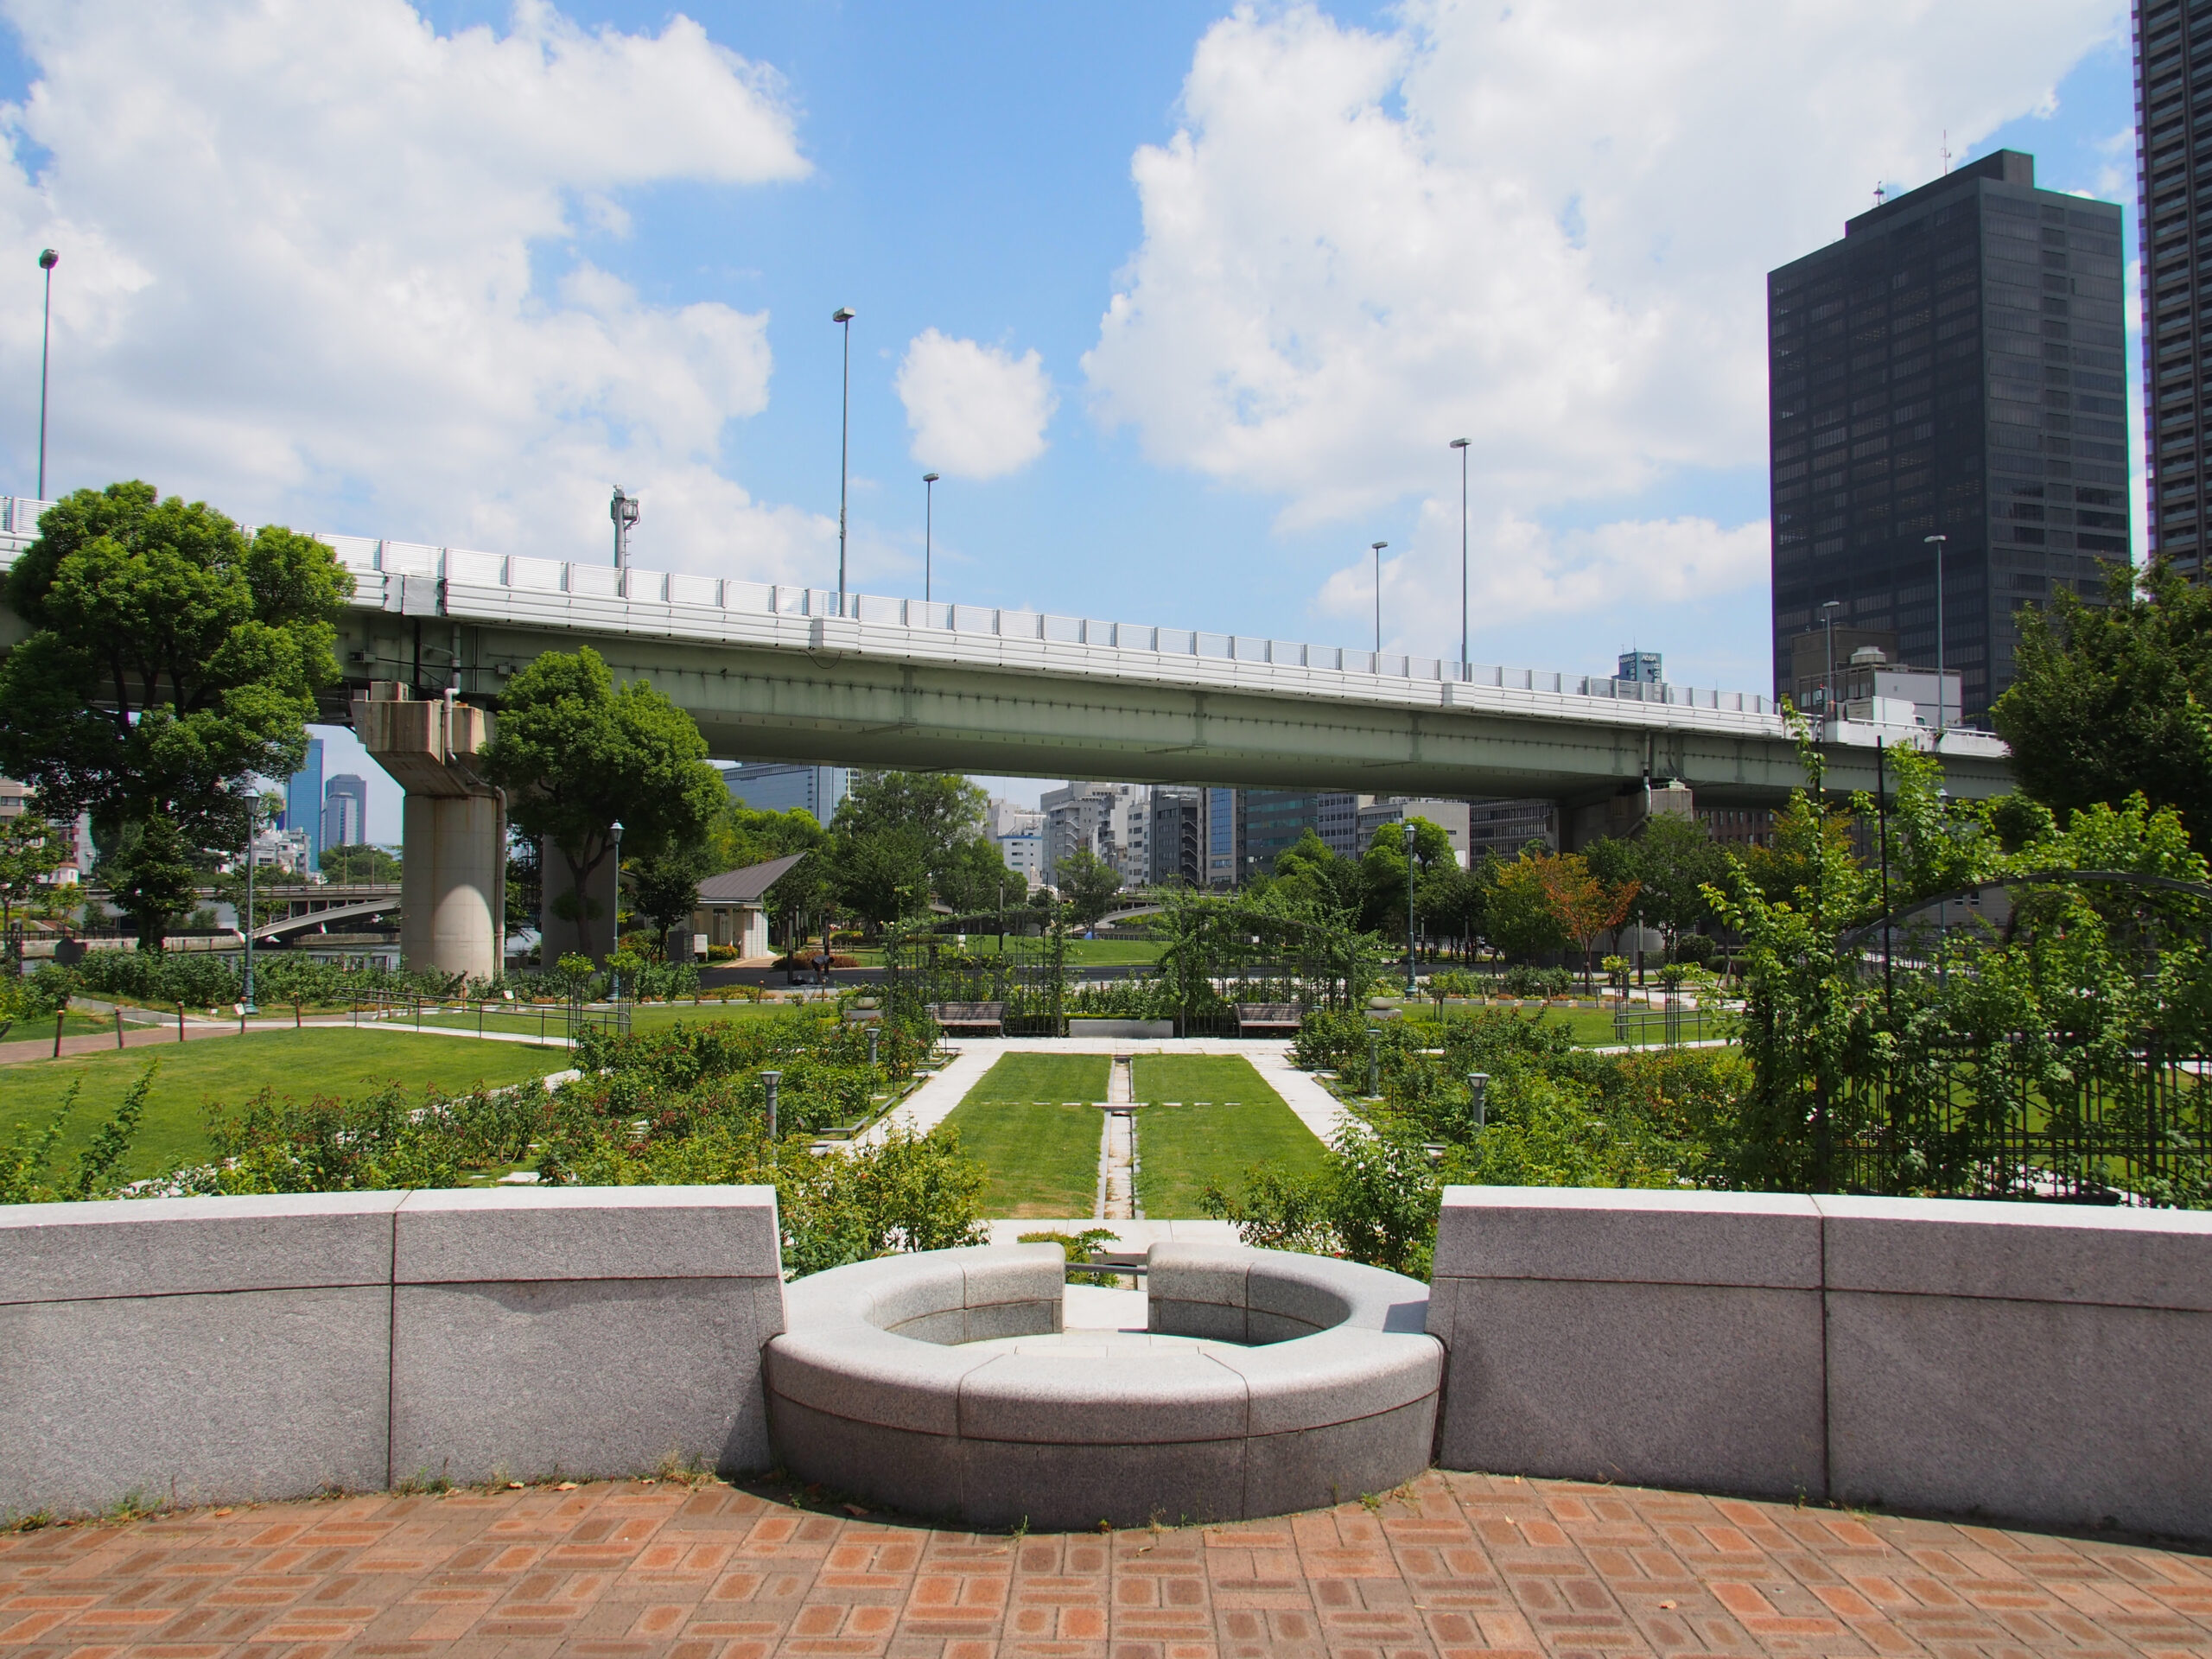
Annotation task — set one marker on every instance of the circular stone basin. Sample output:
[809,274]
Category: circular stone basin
[944,1385]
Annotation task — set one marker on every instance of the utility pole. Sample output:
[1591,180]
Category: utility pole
[1461,444]
[929,528]
[1942,691]
[1379,547]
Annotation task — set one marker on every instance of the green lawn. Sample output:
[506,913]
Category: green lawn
[74,1025]
[300,1064]
[1183,1148]
[527,1019]
[1593,1028]
[1042,1155]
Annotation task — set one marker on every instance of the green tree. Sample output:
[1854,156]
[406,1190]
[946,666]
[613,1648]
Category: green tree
[2111,700]
[971,876]
[880,874]
[150,876]
[1087,884]
[30,849]
[665,888]
[1672,860]
[359,864]
[1383,871]
[1310,870]
[169,660]
[1521,922]
[577,754]
[935,817]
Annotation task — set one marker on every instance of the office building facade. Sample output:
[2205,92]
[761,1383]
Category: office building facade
[2173,179]
[1177,833]
[1221,817]
[1272,821]
[303,803]
[1952,366]
[779,786]
[345,811]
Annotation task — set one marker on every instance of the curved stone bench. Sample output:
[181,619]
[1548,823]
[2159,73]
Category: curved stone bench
[942,1383]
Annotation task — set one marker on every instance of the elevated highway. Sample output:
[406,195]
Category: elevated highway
[775,671]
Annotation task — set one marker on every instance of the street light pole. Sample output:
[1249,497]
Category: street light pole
[252,829]
[1378,548]
[615,982]
[1828,698]
[929,528]
[47,259]
[1411,835]
[843,316]
[1461,444]
[1942,701]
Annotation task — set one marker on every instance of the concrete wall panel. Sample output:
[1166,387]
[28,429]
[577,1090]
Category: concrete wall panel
[193,1399]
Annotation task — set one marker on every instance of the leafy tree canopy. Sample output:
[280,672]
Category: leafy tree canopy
[30,849]
[1087,884]
[360,863]
[577,754]
[169,659]
[2111,700]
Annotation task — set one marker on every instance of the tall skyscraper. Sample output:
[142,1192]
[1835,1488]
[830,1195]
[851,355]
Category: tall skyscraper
[780,786]
[2176,432]
[345,811]
[303,803]
[1952,366]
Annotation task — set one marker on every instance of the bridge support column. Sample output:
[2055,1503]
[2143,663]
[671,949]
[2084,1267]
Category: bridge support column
[453,862]
[1620,815]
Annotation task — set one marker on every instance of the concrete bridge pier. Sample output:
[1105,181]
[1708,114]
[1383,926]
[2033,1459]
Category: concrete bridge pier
[453,868]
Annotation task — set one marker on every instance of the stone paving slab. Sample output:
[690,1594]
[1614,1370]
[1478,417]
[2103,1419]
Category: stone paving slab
[1453,1565]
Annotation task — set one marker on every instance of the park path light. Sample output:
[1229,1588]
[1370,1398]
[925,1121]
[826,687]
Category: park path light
[615,984]
[1411,836]
[47,259]
[1942,701]
[1461,444]
[1377,547]
[929,528]
[843,317]
[625,510]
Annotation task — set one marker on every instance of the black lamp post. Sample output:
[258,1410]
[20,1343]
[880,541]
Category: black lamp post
[1943,697]
[1411,835]
[614,982]
[47,259]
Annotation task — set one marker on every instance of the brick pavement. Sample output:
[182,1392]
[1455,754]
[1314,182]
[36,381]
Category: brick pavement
[1459,1564]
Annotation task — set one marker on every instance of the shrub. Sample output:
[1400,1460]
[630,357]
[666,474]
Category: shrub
[1525,981]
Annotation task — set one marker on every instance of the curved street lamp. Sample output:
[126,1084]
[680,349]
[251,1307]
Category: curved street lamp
[1412,834]
[1379,547]
[1461,444]
[843,317]
[47,259]
[928,522]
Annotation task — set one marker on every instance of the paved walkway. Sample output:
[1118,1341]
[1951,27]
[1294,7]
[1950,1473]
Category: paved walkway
[1462,1564]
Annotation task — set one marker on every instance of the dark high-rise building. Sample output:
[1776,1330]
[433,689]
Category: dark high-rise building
[2173,60]
[1952,366]
[1272,821]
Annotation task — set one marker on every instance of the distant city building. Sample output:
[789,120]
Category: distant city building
[1221,826]
[345,811]
[1177,833]
[1501,829]
[781,786]
[1272,821]
[15,798]
[1024,853]
[303,803]
[1739,826]
[1952,366]
[1337,822]
[1453,817]
[1640,668]
[2176,417]
[1111,821]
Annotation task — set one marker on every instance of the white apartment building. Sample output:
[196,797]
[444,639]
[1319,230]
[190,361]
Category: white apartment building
[1450,817]
[1113,820]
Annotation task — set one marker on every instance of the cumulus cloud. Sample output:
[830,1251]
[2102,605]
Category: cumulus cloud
[321,263]
[976,410]
[1521,570]
[1541,226]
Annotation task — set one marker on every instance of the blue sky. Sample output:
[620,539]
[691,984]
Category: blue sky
[383,302]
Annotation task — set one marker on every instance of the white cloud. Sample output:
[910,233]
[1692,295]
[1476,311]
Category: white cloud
[976,410]
[1543,226]
[297,245]
[1520,570]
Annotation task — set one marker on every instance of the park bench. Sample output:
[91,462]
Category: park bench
[985,1018]
[1257,1018]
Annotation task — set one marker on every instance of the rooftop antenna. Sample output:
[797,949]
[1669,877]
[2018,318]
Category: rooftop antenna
[1946,150]
[1881,196]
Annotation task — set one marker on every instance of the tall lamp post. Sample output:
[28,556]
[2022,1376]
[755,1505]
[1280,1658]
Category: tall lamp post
[1411,835]
[614,982]
[252,833]
[1461,444]
[1828,609]
[844,316]
[1379,547]
[929,528]
[47,259]
[1942,699]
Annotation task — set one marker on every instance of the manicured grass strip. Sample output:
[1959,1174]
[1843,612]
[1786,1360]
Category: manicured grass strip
[525,1019]
[300,1063]
[1053,1077]
[1042,1152]
[1182,1149]
[1043,1159]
